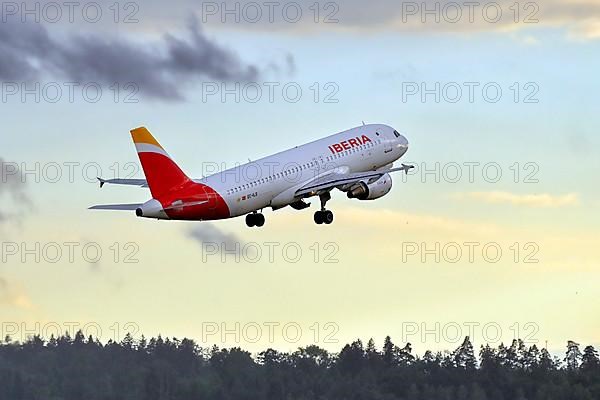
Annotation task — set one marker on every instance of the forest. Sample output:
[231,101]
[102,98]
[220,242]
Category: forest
[79,368]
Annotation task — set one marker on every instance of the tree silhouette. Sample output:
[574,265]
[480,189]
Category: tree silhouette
[589,360]
[65,368]
[573,355]
[464,357]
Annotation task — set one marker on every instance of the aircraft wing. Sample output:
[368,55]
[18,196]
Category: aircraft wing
[132,182]
[331,181]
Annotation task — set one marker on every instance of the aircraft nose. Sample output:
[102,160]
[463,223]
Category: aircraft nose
[403,141]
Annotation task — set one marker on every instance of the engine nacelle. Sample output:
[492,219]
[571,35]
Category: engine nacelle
[371,191]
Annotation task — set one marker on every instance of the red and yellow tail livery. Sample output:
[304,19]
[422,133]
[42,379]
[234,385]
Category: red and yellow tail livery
[161,171]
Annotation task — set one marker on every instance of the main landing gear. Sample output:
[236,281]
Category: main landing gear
[255,219]
[324,216]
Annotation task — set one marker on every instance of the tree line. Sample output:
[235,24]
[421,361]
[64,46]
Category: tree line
[79,368]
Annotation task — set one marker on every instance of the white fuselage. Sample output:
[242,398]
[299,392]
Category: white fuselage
[273,180]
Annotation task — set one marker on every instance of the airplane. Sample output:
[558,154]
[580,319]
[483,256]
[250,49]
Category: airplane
[357,161]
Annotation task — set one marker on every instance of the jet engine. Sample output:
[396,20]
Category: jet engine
[371,190]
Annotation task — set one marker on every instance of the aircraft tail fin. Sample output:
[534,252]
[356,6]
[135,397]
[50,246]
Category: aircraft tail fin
[162,173]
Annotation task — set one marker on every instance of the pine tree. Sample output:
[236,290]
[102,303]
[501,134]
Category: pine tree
[501,355]
[52,343]
[464,356]
[511,359]
[388,351]
[79,338]
[371,347]
[128,342]
[546,361]
[142,344]
[404,355]
[521,354]
[573,355]
[590,360]
[428,357]
[488,357]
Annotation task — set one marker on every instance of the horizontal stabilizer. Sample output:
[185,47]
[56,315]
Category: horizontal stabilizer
[132,182]
[119,207]
[406,168]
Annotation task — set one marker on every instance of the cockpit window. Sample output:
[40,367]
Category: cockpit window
[396,133]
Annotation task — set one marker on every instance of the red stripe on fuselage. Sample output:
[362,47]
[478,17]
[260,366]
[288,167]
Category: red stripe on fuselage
[192,192]
[169,185]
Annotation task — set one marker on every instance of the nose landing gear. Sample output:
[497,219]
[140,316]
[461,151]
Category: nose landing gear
[324,216]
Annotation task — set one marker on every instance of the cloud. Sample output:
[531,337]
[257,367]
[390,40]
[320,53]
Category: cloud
[208,234]
[542,200]
[586,29]
[159,70]
[579,18]
[12,185]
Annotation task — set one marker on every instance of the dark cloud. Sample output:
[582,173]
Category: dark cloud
[12,186]
[159,69]
[291,64]
[209,234]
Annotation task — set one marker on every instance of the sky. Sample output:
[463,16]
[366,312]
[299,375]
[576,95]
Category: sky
[495,233]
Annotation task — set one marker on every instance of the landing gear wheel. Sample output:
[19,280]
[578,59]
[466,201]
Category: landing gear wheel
[319,217]
[327,217]
[324,216]
[260,220]
[255,219]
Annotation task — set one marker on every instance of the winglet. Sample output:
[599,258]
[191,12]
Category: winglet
[407,168]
